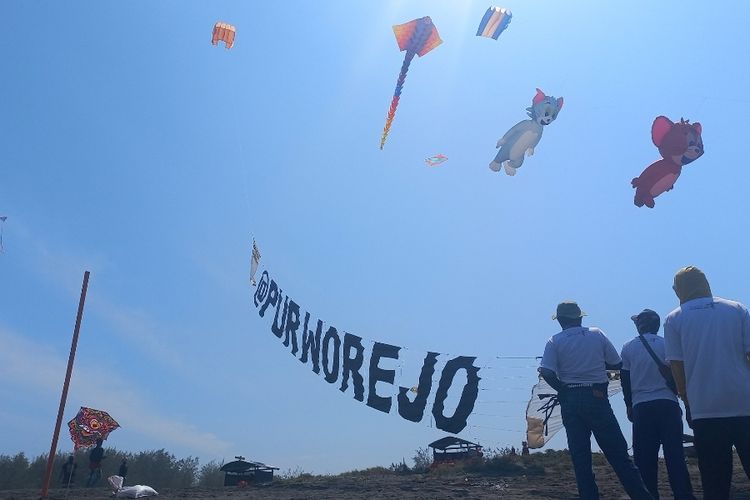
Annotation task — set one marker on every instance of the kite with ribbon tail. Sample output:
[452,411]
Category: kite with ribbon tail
[416,37]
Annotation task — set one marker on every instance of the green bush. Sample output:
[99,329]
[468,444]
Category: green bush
[422,459]
[157,468]
[210,475]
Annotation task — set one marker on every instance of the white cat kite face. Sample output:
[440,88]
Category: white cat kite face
[544,109]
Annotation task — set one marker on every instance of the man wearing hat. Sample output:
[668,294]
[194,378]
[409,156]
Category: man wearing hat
[653,408]
[707,342]
[575,363]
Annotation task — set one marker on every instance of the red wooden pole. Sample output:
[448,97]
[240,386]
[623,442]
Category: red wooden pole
[64,397]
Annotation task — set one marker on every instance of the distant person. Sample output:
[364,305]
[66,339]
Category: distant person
[512,451]
[575,363]
[68,472]
[524,448]
[123,470]
[653,408]
[708,344]
[95,464]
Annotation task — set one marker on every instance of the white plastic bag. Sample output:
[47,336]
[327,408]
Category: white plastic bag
[137,491]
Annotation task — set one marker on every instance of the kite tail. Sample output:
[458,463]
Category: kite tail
[396,96]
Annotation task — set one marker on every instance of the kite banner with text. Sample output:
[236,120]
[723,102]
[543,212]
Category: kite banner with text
[442,386]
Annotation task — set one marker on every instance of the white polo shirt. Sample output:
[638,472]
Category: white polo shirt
[578,355]
[711,336]
[646,381]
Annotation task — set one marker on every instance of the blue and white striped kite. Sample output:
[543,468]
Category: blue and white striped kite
[494,22]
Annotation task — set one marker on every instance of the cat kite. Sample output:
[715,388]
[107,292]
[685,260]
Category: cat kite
[679,144]
[224,32]
[416,37]
[494,22]
[434,161]
[525,135]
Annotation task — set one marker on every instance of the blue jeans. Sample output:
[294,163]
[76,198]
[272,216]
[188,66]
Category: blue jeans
[586,411]
[657,424]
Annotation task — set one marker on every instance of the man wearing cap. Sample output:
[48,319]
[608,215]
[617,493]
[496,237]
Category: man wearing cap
[575,363]
[653,408]
[707,342]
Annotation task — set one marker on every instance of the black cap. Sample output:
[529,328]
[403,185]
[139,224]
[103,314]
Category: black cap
[646,315]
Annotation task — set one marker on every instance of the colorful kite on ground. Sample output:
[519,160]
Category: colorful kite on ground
[526,134]
[434,161]
[679,144]
[494,22]
[224,32]
[90,425]
[416,37]
[255,260]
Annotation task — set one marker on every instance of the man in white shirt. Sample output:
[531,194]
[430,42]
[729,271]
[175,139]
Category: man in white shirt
[708,345]
[575,363]
[653,408]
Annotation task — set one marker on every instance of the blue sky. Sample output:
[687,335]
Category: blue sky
[135,149]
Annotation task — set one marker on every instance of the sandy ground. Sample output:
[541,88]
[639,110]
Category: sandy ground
[558,484]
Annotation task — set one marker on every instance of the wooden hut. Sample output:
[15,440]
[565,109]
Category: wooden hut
[451,449]
[250,472]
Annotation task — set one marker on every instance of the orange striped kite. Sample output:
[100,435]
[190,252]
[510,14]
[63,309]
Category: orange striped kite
[224,32]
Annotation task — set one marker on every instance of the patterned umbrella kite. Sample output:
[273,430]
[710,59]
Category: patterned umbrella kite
[416,37]
[90,425]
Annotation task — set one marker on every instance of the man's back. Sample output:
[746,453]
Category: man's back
[711,336]
[647,383]
[96,455]
[580,355]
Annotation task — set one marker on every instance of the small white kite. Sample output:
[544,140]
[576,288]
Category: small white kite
[255,260]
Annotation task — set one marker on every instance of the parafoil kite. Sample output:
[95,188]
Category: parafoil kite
[224,32]
[434,161]
[543,417]
[416,37]
[679,144]
[494,22]
[526,134]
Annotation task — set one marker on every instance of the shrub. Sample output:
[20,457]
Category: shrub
[422,460]
[210,475]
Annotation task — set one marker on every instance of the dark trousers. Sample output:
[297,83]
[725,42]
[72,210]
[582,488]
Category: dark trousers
[584,413]
[714,438]
[658,424]
[94,476]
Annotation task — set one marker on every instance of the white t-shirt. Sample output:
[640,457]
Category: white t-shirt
[646,381]
[578,355]
[711,336]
